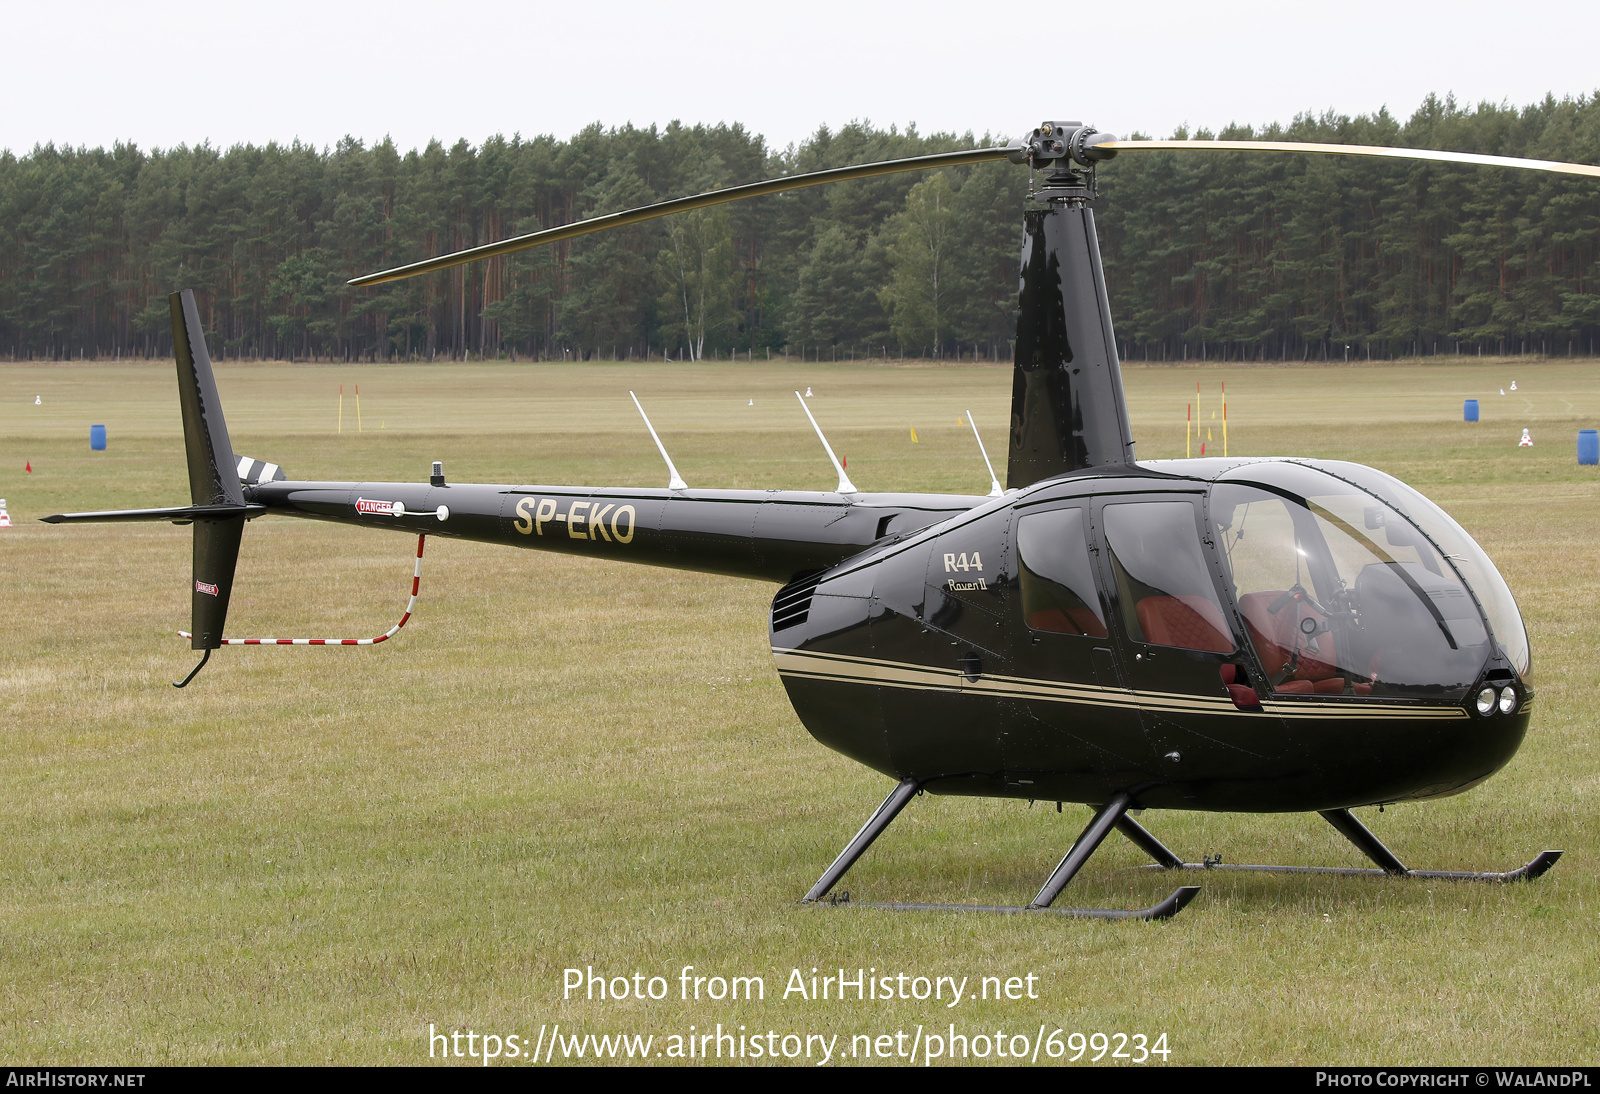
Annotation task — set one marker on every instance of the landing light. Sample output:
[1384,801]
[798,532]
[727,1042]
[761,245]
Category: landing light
[1487,699]
[1508,700]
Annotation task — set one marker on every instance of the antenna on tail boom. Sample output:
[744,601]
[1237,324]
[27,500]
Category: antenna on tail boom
[845,485]
[994,483]
[676,482]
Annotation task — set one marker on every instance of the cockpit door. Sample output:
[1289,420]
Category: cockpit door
[1160,574]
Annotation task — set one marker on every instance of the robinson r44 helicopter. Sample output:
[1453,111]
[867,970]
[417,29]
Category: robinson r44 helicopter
[1248,635]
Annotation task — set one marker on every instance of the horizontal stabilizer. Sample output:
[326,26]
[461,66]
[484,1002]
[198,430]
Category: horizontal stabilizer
[177,514]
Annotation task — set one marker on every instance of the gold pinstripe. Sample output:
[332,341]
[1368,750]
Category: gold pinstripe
[843,668]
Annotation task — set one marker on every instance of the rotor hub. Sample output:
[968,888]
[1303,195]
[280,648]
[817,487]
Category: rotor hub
[1062,147]
[1055,142]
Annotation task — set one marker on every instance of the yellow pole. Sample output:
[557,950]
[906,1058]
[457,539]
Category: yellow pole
[1188,420]
[341,408]
[358,408]
[1224,419]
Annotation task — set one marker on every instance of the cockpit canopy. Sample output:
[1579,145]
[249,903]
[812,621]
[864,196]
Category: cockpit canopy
[1350,582]
[1344,580]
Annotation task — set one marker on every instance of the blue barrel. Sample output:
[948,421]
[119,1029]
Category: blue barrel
[97,438]
[1589,446]
[1469,413]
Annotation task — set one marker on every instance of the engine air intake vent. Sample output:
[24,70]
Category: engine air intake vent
[793,602]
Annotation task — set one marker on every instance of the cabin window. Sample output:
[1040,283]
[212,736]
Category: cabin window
[1163,583]
[1058,587]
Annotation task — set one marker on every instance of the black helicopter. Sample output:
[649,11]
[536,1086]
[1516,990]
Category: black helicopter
[1247,635]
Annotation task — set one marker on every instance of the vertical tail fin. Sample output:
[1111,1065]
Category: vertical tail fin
[213,475]
[218,509]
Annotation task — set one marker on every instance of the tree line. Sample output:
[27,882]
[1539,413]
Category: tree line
[1227,255]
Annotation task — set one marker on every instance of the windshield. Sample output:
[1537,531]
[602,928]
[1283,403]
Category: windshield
[1494,596]
[1339,593]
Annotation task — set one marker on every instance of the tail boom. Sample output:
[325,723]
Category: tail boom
[768,535]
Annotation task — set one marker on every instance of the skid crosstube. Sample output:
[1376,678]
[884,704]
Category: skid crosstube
[1105,819]
[1358,834]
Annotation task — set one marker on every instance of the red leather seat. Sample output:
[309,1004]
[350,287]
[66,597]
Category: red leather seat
[1331,685]
[1069,621]
[1243,695]
[1188,622]
[1275,637]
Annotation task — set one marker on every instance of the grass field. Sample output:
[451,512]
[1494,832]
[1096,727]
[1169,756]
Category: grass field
[312,855]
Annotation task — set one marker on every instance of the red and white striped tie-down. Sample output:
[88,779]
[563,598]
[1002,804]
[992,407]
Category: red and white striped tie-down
[411,605]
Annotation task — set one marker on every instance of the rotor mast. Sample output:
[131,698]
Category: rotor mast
[1068,411]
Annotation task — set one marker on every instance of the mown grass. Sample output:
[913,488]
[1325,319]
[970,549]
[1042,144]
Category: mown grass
[310,855]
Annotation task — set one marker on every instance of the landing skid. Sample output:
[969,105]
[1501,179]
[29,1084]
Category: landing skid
[1353,830]
[1166,909]
[1109,817]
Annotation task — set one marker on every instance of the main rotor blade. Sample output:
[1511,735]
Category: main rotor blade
[1357,150]
[683,205]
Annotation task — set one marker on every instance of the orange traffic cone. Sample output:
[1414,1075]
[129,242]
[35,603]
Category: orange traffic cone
[29,468]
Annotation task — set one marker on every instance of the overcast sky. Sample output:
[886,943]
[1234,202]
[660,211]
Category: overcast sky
[91,72]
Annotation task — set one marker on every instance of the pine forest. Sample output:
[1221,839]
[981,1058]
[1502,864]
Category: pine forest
[1214,255]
